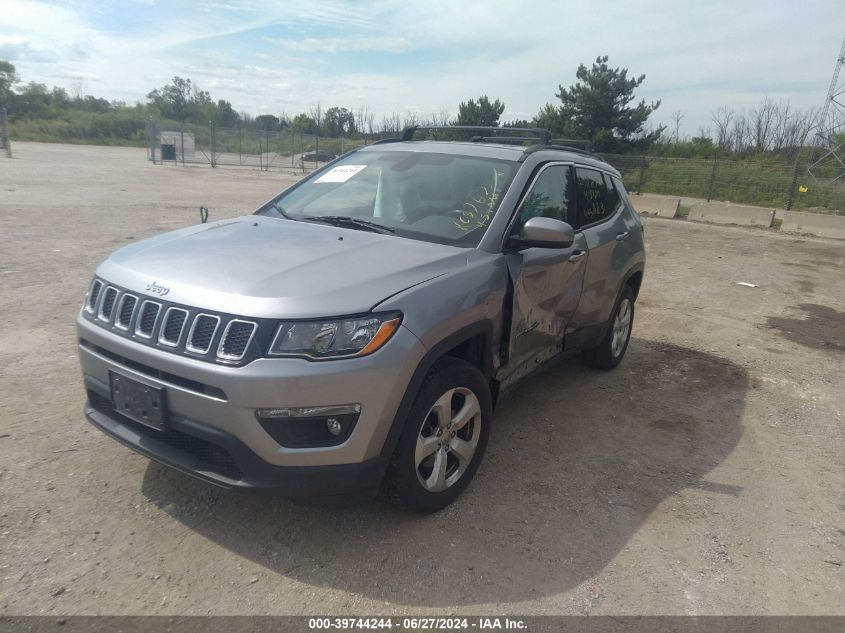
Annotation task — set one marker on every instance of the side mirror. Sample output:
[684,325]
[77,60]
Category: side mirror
[544,233]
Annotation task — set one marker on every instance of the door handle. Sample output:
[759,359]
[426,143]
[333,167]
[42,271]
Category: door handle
[577,255]
[622,236]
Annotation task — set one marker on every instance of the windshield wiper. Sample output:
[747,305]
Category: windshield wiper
[350,222]
[281,211]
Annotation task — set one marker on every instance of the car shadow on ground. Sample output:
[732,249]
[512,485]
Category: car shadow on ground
[577,462]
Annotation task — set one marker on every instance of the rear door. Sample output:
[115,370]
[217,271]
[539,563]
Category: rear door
[607,232]
[546,281]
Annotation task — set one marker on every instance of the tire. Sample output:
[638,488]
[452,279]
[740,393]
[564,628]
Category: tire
[610,352]
[454,392]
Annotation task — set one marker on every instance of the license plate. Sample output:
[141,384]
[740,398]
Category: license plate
[138,401]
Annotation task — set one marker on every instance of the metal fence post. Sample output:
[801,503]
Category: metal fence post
[182,140]
[791,197]
[260,151]
[240,153]
[211,134]
[712,180]
[642,175]
[153,139]
[5,136]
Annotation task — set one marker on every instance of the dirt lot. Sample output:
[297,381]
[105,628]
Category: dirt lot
[704,476]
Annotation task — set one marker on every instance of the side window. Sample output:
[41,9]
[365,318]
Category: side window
[593,197]
[613,198]
[550,197]
[620,188]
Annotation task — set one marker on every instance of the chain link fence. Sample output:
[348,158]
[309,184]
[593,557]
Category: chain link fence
[765,182]
[5,140]
[759,181]
[183,144]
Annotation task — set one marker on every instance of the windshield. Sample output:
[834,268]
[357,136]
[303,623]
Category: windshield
[428,196]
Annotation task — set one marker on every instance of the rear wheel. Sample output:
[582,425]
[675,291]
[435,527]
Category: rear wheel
[444,438]
[609,353]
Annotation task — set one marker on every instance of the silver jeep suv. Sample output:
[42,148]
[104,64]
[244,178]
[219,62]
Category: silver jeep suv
[354,333]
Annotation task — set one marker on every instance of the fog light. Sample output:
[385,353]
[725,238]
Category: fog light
[308,412]
[304,427]
[334,426]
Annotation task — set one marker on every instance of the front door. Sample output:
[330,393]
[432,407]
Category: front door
[546,281]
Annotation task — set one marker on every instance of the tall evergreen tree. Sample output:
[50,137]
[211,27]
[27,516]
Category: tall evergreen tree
[599,107]
[481,112]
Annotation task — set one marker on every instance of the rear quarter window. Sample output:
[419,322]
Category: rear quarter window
[593,196]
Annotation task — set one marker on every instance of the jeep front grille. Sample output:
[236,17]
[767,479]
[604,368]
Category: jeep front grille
[125,311]
[171,329]
[202,333]
[222,338]
[107,306]
[93,295]
[147,319]
[236,339]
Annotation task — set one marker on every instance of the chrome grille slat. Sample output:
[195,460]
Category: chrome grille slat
[147,317]
[125,309]
[172,326]
[93,296]
[202,332]
[107,304]
[236,339]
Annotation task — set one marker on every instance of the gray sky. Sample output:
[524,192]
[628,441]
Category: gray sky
[268,57]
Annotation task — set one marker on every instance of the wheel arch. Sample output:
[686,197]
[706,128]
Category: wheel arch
[471,343]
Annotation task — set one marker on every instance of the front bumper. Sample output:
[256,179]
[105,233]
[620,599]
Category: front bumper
[222,459]
[212,431]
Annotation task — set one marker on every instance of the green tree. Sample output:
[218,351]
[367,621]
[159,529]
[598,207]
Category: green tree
[481,112]
[8,78]
[303,124]
[338,122]
[549,118]
[181,100]
[268,122]
[599,107]
[33,100]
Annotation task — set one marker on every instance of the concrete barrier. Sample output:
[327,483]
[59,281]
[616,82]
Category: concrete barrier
[727,213]
[655,204]
[820,224]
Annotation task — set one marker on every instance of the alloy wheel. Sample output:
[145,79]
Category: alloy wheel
[448,439]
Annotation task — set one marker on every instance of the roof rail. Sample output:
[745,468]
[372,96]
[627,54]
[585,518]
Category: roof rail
[566,148]
[570,142]
[538,134]
[386,140]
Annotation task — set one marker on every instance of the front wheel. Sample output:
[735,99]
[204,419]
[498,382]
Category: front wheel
[444,438]
[608,354]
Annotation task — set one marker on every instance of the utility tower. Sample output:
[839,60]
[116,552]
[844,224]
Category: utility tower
[828,157]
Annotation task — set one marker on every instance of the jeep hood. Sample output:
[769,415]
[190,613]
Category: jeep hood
[268,267]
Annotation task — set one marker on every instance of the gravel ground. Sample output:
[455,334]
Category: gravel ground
[704,476]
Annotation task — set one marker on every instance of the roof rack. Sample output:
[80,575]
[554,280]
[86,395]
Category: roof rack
[538,134]
[542,137]
[573,142]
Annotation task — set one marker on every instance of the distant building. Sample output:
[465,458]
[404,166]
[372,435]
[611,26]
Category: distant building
[175,145]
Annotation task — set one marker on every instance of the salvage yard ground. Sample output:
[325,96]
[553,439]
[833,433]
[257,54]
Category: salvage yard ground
[704,476]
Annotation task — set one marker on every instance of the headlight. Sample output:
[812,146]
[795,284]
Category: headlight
[334,338]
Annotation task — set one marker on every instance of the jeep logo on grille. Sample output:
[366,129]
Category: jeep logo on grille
[157,289]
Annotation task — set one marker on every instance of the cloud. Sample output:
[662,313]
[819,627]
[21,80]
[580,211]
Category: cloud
[426,56]
[385,44]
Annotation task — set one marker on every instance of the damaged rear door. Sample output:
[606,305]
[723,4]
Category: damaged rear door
[546,282]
